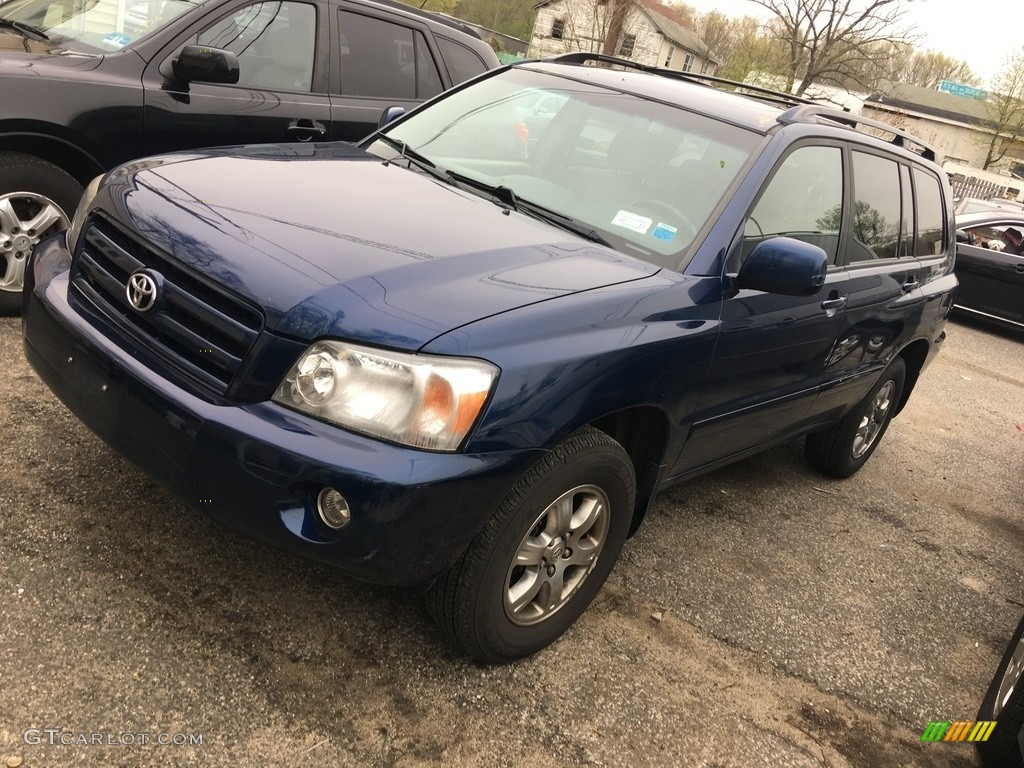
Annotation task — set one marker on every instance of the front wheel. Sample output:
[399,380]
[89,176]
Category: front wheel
[36,200]
[1004,704]
[543,556]
[841,450]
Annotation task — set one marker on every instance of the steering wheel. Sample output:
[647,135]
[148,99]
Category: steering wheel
[675,217]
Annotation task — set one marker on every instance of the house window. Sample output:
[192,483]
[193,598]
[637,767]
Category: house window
[688,64]
[626,49]
[558,28]
[671,53]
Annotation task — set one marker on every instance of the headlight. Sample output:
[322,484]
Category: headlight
[418,400]
[82,213]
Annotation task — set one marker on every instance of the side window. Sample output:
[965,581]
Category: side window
[803,200]
[462,62]
[877,213]
[385,60]
[931,214]
[275,44]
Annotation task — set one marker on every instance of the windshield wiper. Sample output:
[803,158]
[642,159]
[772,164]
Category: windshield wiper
[501,194]
[26,29]
[415,158]
[507,197]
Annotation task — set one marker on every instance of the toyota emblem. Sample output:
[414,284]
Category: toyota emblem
[142,291]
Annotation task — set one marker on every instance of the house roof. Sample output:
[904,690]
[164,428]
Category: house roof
[669,22]
[928,101]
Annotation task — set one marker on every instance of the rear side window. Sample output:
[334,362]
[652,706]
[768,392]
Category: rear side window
[930,214]
[461,61]
[877,214]
[803,200]
[385,60]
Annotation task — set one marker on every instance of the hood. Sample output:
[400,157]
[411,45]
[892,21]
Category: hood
[20,55]
[331,241]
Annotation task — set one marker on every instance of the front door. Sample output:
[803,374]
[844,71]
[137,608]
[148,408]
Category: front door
[773,349]
[280,95]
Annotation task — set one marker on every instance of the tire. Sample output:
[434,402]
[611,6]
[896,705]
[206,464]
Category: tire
[37,199]
[1004,703]
[841,450]
[495,610]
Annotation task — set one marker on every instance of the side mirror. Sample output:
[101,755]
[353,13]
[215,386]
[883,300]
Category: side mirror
[389,115]
[206,65]
[961,236]
[784,265]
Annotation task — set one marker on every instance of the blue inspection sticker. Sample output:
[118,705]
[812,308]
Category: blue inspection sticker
[117,39]
[664,232]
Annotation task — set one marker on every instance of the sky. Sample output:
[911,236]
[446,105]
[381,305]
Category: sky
[984,33]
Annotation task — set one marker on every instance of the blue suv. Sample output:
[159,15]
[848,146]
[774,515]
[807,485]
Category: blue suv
[468,353]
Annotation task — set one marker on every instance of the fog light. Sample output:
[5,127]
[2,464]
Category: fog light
[333,509]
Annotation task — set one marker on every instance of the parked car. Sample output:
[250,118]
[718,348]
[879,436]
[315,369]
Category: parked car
[989,267]
[89,84]
[975,204]
[1004,704]
[428,367]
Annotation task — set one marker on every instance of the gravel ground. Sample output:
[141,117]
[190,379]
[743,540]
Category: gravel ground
[763,616]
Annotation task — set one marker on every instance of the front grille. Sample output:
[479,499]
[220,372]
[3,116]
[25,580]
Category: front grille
[195,327]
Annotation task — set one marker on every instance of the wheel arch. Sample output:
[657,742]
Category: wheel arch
[914,356]
[643,432]
[62,153]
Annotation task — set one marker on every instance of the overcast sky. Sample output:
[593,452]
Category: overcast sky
[984,33]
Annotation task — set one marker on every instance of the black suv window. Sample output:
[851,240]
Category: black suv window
[930,214]
[877,214]
[803,200]
[379,58]
[462,62]
[274,42]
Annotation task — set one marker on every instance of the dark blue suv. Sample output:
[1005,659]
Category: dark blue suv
[468,353]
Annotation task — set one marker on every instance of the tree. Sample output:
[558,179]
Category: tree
[1006,110]
[740,44]
[440,6]
[927,68]
[834,41]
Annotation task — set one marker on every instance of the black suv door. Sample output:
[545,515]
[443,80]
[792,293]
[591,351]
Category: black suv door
[383,61]
[282,48]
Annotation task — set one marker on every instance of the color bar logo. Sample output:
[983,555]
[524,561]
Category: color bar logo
[958,730]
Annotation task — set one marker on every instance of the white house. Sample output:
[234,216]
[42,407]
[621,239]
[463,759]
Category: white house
[650,33]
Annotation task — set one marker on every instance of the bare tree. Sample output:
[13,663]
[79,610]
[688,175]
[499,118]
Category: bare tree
[926,68]
[1006,110]
[836,41]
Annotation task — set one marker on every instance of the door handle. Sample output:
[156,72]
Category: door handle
[1019,269]
[306,129]
[833,304]
[910,284]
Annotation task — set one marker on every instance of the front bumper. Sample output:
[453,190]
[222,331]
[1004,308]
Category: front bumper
[258,467]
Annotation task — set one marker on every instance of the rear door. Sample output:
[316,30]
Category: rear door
[882,259]
[282,49]
[383,60]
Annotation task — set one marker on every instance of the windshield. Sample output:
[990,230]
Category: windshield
[642,175]
[95,26]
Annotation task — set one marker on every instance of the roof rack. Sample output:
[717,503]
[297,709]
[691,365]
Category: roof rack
[765,94]
[809,113]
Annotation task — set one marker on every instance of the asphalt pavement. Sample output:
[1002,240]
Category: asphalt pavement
[762,616]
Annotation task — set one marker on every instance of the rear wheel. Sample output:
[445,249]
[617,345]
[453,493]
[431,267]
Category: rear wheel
[543,556]
[1004,703]
[842,450]
[37,199]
